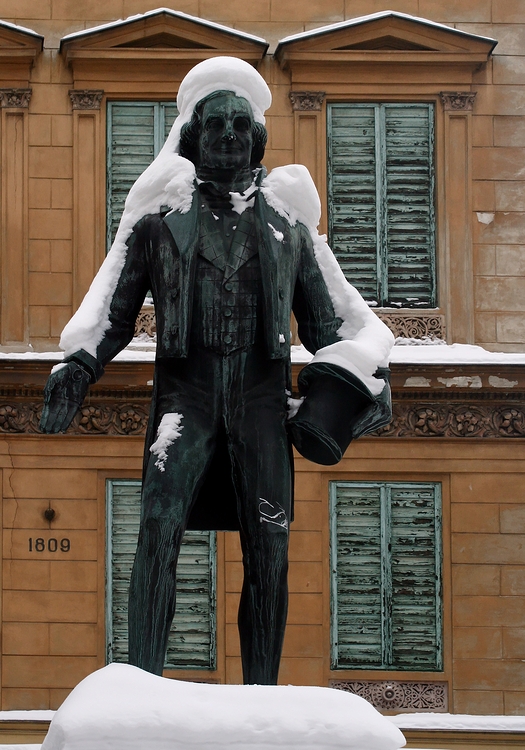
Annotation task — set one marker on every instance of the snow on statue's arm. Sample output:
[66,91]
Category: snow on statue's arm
[363,342]
[167,181]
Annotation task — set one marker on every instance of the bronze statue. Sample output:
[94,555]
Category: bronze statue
[225,271]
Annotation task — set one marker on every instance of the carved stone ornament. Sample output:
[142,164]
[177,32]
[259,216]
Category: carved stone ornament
[95,418]
[391,694]
[86,98]
[417,416]
[450,420]
[145,323]
[458,100]
[309,101]
[421,326]
[15,98]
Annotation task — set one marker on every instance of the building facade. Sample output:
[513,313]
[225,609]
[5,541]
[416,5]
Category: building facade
[407,558]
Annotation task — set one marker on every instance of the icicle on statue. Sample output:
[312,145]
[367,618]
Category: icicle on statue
[228,252]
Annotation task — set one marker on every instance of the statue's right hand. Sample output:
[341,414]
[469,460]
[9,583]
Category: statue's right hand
[64,392]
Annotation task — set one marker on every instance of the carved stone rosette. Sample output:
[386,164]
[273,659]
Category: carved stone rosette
[309,101]
[420,326]
[391,694]
[458,100]
[145,323]
[15,98]
[86,98]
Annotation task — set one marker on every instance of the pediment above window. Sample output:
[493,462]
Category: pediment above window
[158,37]
[385,38]
[18,49]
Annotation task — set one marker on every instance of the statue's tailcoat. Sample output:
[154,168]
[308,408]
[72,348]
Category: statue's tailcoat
[162,257]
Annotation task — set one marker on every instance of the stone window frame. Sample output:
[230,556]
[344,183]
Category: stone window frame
[420,61]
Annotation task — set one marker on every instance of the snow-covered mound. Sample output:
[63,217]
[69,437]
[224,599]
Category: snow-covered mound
[123,708]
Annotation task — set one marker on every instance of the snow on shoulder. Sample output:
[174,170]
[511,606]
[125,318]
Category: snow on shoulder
[125,708]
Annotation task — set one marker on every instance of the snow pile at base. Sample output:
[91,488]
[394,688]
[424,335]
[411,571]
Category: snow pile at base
[123,708]
[463,722]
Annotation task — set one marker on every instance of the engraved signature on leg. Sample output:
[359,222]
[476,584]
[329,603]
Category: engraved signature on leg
[272,513]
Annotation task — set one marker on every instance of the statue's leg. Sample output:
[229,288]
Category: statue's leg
[167,498]
[263,482]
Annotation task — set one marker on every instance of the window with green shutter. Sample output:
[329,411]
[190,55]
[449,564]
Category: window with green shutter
[136,132]
[192,641]
[381,200]
[386,575]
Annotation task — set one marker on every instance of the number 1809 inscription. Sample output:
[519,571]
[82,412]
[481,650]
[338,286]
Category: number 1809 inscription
[49,545]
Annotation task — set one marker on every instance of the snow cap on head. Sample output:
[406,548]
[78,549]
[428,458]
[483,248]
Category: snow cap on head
[223,74]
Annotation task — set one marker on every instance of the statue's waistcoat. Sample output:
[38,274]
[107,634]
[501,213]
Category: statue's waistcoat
[276,248]
[227,289]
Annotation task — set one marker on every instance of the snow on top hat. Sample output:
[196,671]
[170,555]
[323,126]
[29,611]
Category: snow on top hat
[223,74]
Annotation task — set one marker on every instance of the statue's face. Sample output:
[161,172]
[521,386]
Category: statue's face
[225,141]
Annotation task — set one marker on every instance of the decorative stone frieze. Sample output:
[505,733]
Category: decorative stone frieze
[393,694]
[86,98]
[415,415]
[458,100]
[104,418]
[420,326]
[309,101]
[451,420]
[15,98]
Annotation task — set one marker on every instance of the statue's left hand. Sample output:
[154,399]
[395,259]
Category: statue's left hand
[63,395]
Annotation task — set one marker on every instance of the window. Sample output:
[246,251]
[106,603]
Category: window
[136,133]
[381,200]
[386,575]
[192,642]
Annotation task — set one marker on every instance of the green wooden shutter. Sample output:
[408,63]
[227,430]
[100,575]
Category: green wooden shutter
[356,575]
[410,221]
[168,114]
[416,575]
[352,188]
[381,200]
[136,132]
[386,575]
[192,641]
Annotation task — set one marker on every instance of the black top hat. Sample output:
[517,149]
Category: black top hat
[337,408]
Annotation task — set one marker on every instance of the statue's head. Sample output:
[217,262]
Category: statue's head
[222,134]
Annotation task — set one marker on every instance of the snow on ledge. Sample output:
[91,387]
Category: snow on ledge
[23,29]
[380,14]
[459,722]
[453,354]
[157,11]
[445,354]
[35,715]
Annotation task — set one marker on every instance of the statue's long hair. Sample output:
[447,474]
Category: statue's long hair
[190,132]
